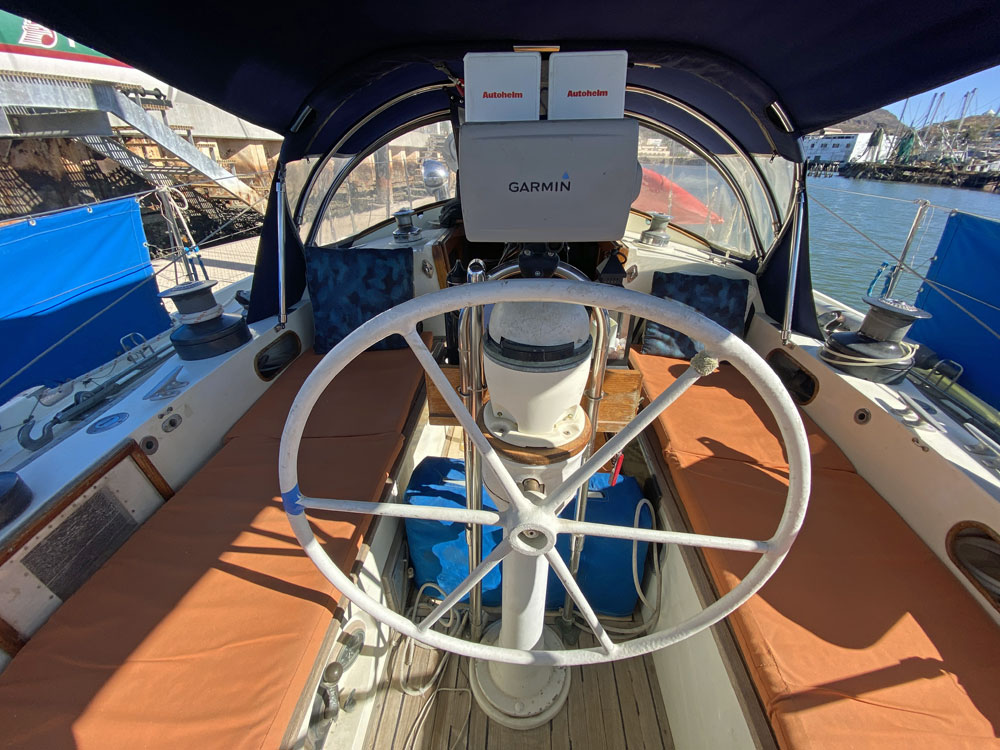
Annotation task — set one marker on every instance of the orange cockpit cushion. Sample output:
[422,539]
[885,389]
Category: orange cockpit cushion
[862,638]
[372,395]
[725,417]
[201,631]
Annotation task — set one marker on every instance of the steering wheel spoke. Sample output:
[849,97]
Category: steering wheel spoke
[404,510]
[560,569]
[632,534]
[523,515]
[482,570]
[561,496]
[468,421]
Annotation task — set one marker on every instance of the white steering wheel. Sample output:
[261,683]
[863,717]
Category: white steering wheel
[523,514]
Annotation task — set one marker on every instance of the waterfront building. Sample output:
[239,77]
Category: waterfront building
[832,146]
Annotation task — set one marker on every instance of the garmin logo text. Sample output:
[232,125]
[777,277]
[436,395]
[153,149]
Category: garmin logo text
[557,186]
[503,95]
[587,92]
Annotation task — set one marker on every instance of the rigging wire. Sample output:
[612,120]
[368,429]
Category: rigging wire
[89,320]
[949,209]
[129,269]
[167,251]
[859,193]
[114,302]
[141,194]
[939,288]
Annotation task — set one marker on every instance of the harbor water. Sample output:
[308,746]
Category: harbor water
[844,262]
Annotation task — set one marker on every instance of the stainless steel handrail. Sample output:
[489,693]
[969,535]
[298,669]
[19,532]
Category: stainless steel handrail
[471,363]
[428,119]
[279,198]
[798,216]
[472,386]
[922,206]
[318,169]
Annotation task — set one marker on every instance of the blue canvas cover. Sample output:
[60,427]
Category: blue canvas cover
[60,270]
[440,554]
[967,269]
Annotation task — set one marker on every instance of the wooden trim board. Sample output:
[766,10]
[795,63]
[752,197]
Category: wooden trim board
[622,388]
[10,640]
[128,449]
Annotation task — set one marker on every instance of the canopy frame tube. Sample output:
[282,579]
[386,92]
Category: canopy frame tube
[760,252]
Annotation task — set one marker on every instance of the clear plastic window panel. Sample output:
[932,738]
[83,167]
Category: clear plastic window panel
[780,175]
[413,170]
[681,184]
[748,181]
[297,174]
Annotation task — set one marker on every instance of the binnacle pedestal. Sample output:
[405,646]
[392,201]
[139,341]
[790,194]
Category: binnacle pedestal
[536,361]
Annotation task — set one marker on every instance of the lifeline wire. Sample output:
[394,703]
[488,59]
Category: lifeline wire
[116,301]
[891,198]
[939,288]
[857,192]
[89,320]
[140,194]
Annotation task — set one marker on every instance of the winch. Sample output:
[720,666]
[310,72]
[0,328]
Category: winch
[205,330]
[15,496]
[876,351]
[406,232]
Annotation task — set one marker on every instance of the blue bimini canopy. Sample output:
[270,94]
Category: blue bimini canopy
[86,268]
[824,63]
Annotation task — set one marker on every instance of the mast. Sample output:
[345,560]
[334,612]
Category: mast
[934,119]
[921,131]
[966,103]
[899,129]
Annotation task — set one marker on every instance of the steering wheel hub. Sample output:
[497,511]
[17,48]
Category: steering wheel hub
[532,540]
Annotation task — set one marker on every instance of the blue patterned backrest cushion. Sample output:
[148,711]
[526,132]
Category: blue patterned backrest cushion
[349,286]
[719,298]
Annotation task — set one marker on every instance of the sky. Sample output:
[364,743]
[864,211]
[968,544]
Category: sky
[986,83]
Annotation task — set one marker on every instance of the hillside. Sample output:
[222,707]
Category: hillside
[868,122]
[974,128]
